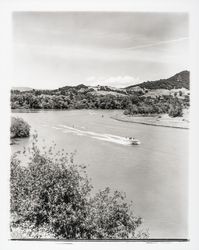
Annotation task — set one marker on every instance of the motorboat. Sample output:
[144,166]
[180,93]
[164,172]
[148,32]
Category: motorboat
[134,141]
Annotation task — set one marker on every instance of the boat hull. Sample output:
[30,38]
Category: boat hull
[135,143]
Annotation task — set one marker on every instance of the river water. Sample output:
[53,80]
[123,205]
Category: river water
[153,174]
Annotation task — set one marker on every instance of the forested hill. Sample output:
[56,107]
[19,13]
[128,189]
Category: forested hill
[156,97]
[180,80]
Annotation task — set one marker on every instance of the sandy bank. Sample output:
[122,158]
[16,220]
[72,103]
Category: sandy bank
[157,120]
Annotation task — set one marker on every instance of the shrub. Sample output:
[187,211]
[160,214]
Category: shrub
[126,112]
[176,111]
[53,194]
[19,128]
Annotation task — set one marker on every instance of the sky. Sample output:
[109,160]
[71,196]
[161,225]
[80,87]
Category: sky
[54,49]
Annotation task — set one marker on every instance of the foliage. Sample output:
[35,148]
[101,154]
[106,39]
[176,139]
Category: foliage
[134,103]
[159,105]
[133,99]
[19,128]
[111,217]
[52,193]
[176,111]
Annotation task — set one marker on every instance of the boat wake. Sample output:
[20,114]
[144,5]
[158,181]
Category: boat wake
[98,136]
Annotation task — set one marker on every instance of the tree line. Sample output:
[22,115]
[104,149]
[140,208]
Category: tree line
[132,103]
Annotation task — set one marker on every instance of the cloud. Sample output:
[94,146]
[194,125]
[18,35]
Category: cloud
[149,45]
[170,52]
[118,81]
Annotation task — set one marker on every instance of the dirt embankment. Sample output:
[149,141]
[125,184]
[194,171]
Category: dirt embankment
[155,120]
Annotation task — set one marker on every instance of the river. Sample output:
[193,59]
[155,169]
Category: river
[154,174]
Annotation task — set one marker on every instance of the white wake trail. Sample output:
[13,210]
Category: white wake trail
[98,136]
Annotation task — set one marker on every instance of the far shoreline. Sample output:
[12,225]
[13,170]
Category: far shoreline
[149,124]
[155,120]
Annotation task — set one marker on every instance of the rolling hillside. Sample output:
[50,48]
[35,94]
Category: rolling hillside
[178,81]
[169,96]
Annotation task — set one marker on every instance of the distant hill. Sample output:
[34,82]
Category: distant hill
[22,89]
[77,87]
[169,96]
[178,81]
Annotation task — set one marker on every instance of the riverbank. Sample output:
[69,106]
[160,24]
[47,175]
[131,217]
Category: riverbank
[155,120]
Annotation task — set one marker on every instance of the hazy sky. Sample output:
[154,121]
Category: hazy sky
[53,49]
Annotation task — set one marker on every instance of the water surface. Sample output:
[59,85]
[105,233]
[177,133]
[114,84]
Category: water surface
[153,174]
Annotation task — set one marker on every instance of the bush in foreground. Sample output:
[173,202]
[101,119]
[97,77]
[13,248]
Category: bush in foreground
[19,128]
[51,198]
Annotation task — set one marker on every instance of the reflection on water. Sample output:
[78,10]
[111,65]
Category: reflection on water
[153,174]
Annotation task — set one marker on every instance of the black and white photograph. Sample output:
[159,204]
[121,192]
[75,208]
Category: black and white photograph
[99,125]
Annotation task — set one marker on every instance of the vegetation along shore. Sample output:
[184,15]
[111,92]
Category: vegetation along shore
[166,96]
[163,120]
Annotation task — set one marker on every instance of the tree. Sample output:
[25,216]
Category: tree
[52,192]
[19,128]
[176,111]
[180,93]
